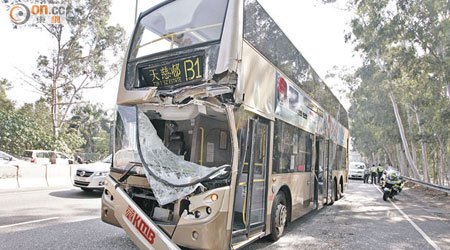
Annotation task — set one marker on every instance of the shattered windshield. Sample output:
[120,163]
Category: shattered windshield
[179,24]
[177,153]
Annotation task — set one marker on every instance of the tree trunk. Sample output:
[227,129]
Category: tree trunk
[424,149]
[400,166]
[402,134]
[441,167]
[413,148]
[446,163]
[448,91]
[391,162]
[54,110]
[401,161]
[435,159]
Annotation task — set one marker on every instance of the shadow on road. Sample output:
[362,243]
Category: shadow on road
[60,234]
[77,194]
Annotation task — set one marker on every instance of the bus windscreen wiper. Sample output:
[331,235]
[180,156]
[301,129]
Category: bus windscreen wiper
[127,174]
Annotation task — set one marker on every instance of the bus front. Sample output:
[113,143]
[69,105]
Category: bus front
[174,144]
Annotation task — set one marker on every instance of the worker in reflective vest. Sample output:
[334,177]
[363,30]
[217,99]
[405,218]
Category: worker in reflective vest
[380,170]
[373,174]
[366,174]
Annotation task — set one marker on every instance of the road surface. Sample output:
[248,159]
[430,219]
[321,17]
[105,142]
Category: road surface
[68,218]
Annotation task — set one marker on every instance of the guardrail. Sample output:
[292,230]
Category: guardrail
[12,177]
[429,185]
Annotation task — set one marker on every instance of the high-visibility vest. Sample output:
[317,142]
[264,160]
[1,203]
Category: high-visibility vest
[373,169]
[380,169]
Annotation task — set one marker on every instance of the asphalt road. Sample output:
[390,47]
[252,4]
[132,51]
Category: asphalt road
[68,218]
[362,220]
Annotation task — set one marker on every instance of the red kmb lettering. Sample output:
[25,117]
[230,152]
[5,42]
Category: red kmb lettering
[136,220]
[140,225]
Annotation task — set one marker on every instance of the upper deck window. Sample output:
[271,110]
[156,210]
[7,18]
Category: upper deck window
[261,31]
[179,24]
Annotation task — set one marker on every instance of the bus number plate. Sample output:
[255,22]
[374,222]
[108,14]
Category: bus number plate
[170,73]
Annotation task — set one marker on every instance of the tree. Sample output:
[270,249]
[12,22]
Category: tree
[27,128]
[5,103]
[408,42]
[79,59]
[92,122]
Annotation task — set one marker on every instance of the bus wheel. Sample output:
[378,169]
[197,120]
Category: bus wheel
[333,192]
[278,217]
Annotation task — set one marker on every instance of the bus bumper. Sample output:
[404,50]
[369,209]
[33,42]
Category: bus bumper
[142,230]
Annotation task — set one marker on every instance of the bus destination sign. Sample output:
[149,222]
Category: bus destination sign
[164,74]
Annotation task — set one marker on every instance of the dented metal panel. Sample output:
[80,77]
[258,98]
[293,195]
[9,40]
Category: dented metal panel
[230,53]
[257,88]
[143,231]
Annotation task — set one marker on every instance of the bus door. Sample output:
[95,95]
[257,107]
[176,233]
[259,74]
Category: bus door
[319,173]
[329,156]
[249,211]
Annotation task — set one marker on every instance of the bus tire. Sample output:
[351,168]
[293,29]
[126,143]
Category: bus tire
[278,217]
[336,191]
[333,191]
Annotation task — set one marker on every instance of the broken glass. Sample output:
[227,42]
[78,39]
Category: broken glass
[170,176]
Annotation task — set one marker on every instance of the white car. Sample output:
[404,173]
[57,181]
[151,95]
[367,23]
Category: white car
[92,176]
[43,157]
[9,160]
[356,170]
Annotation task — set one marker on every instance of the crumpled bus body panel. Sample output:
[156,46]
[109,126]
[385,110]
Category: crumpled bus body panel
[143,231]
[221,59]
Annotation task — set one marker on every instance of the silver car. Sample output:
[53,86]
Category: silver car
[9,160]
[92,176]
[356,170]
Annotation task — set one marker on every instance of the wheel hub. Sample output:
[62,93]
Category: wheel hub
[280,218]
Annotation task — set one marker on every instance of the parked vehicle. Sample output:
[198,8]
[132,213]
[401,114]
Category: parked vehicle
[383,176]
[356,170]
[393,184]
[9,160]
[92,176]
[46,157]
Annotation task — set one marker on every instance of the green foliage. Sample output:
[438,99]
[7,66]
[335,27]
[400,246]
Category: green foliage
[84,56]
[80,58]
[68,141]
[5,103]
[406,50]
[20,131]
[92,122]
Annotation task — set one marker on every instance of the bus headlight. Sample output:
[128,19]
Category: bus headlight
[214,197]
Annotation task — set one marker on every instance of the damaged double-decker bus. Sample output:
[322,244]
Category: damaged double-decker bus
[223,131]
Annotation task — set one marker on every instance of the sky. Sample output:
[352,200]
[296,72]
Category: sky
[316,29]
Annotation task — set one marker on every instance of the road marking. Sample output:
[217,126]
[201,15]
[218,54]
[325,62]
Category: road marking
[424,235]
[18,191]
[28,222]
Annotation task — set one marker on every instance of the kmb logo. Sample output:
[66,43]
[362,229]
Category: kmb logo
[140,225]
[39,13]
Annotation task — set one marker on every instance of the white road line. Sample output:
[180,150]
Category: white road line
[28,222]
[424,235]
[18,191]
